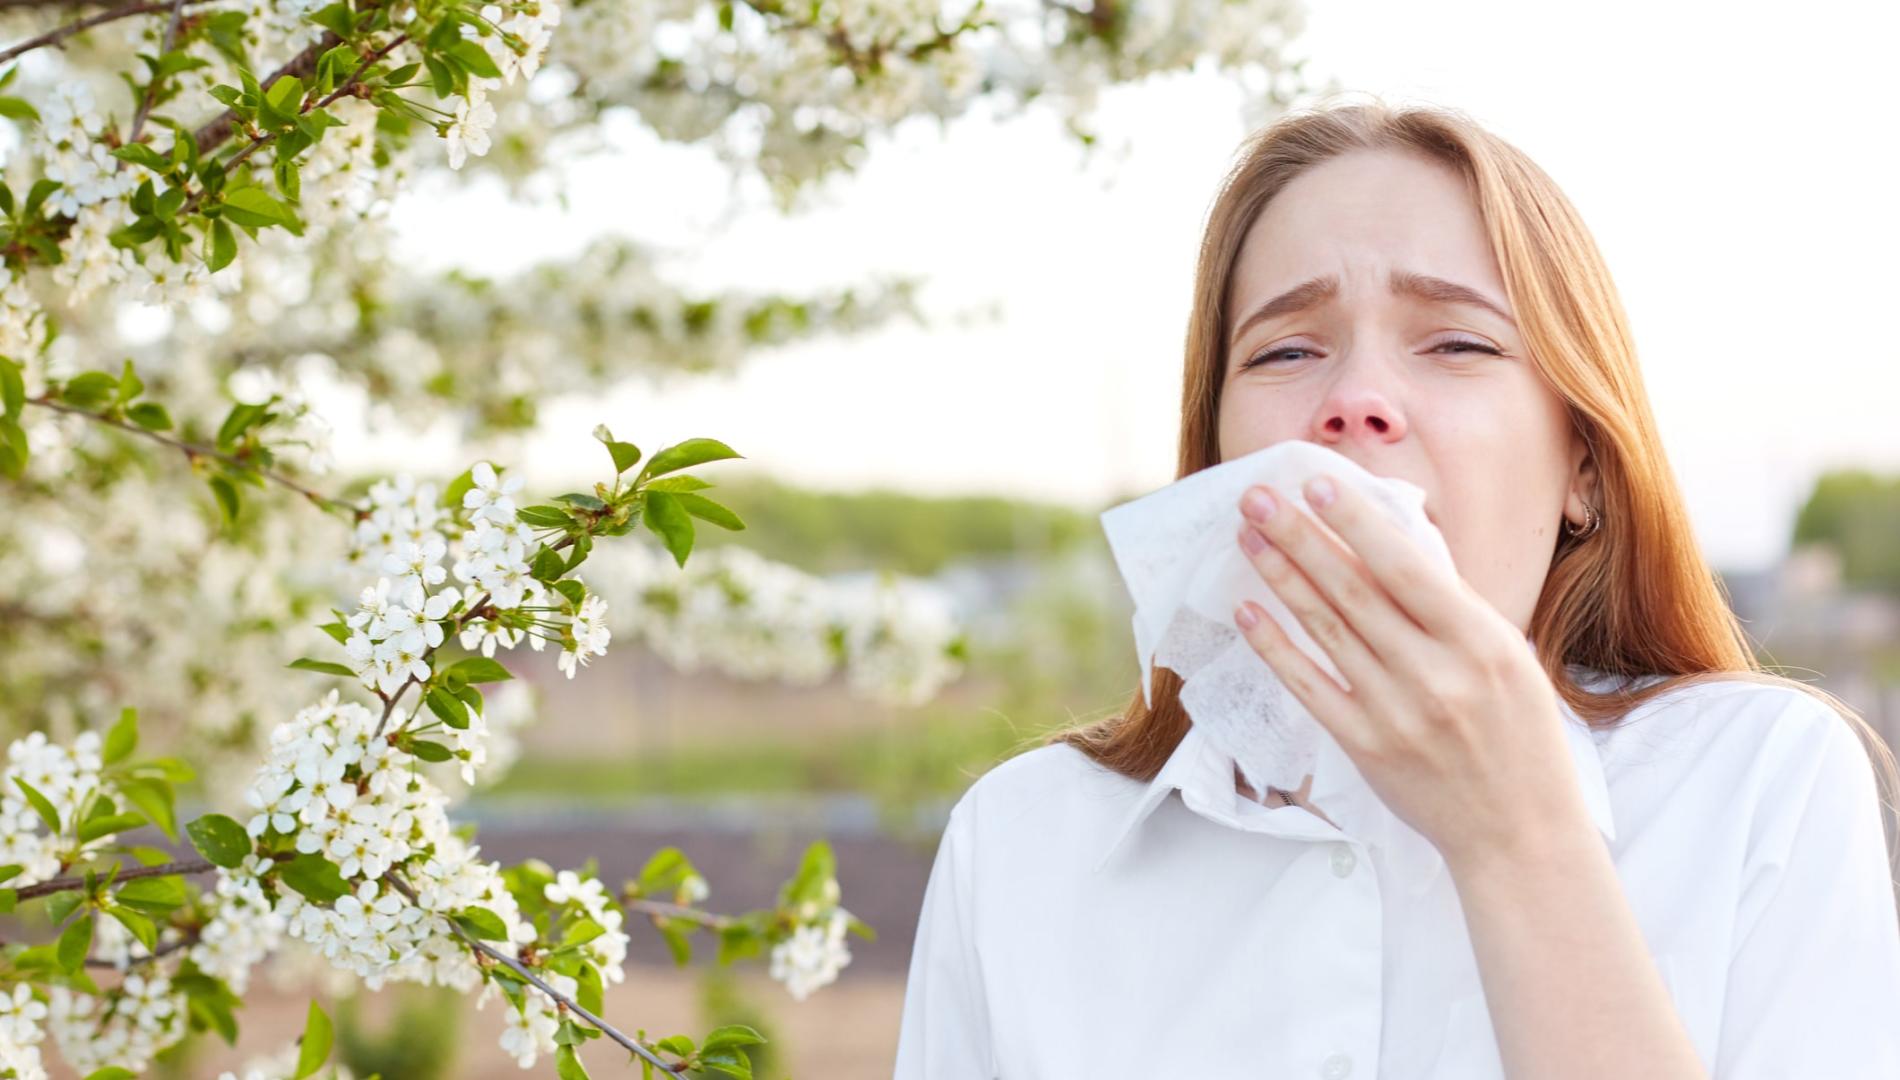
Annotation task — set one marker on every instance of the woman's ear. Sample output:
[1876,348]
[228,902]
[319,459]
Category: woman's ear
[1583,482]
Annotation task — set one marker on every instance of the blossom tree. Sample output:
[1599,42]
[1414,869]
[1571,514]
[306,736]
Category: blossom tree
[196,197]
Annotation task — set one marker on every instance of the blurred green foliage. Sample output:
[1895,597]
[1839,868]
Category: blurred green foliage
[832,532]
[415,1037]
[722,1001]
[1857,513]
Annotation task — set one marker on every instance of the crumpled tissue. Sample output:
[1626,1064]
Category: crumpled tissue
[1178,553]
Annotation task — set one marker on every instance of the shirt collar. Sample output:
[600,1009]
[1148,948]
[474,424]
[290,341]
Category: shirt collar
[1205,777]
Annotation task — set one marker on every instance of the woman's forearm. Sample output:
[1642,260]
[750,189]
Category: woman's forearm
[1572,989]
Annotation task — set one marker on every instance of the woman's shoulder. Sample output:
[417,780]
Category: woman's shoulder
[1053,791]
[1736,734]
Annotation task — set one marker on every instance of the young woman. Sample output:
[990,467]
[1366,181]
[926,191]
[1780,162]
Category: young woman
[1706,891]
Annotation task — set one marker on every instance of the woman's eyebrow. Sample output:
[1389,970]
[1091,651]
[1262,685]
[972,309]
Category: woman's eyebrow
[1319,290]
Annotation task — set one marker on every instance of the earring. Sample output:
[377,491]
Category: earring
[1591,520]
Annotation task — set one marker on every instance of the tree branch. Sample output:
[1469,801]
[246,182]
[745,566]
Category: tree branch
[150,96]
[193,452]
[662,909]
[520,969]
[66,884]
[59,34]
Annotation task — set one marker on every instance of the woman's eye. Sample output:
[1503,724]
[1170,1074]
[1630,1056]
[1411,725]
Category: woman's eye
[1459,345]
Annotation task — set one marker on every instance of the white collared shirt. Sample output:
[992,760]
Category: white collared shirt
[1078,923]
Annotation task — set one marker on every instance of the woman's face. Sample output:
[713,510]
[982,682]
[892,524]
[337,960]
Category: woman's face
[1395,360]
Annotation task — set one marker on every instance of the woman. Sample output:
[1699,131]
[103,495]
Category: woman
[1704,892]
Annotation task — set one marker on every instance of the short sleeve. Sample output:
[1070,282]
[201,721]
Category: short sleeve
[945,1033]
[1814,972]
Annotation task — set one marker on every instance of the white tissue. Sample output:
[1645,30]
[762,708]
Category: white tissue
[1178,552]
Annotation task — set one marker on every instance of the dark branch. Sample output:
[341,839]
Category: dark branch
[192,452]
[520,969]
[67,884]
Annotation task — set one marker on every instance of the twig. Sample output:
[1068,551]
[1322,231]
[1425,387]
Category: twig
[66,884]
[59,34]
[662,909]
[520,969]
[193,452]
[150,97]
[346,87]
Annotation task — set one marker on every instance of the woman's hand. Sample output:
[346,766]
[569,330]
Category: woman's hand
[1446,713]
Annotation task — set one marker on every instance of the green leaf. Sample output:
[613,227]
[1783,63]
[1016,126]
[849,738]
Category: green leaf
[41,805]
[732,1035]
[584,501]
[479,922]
[669,519]
[223,246]
[153,797]
[227,498]
[94,828]
[707,510]
[567,1064]
[130,385]
[732,1062]
[252,206]
[582,931]
[314,1047]
[478,669]
[448,707]
[12,387]
[140,926]
[473,58]
[243,416]
[14,108]
[151,416]
[75,942]
[286,94]
[111,1072]
[687,454]
[220,839]
[677,1044]
[544,517]
[155,895]
[327,667]
[11,871]
[89,390]
[122,739]
[316,877]
[14,452]
[589,990]
[430,751]
[458,487]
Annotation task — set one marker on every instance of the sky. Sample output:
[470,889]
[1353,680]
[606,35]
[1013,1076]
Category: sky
[1735,163]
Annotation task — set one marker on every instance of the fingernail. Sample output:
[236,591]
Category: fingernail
[1251,540]
[1244,615]
[1258,504]
[1319,491]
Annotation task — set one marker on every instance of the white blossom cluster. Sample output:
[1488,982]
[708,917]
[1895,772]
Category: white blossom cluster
[282,1065]
[22,1029]
[468,132]
[815,952]
[731,609]
[400,619]
[125,1026]
[68,779]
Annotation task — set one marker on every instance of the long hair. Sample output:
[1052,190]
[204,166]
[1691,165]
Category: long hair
[1634,598]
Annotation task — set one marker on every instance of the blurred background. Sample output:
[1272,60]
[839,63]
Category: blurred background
[968,451]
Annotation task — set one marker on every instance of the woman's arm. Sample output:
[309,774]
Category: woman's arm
[1813,986]
[1567,973]
[944,1034]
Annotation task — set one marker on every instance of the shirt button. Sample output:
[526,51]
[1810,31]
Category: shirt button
[1336,1067]
[1343,862]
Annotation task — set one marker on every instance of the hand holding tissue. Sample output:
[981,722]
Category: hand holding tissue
[1177,552]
